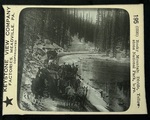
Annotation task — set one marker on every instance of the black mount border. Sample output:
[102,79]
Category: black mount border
[79,2]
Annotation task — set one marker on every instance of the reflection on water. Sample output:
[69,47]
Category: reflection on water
[113,78]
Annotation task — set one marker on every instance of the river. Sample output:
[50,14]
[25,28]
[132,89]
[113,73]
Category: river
[106,75]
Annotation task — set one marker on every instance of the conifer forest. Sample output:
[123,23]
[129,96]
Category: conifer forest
[74,59]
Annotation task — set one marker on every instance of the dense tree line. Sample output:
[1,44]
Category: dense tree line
[110,32]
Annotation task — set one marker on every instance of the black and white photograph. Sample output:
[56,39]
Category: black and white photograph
[74,59]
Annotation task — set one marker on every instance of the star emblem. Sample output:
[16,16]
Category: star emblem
[8,101]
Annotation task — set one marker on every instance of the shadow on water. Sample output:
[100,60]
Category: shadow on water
[113,78]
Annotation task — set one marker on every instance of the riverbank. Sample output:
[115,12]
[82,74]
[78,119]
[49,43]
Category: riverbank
[101,73]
